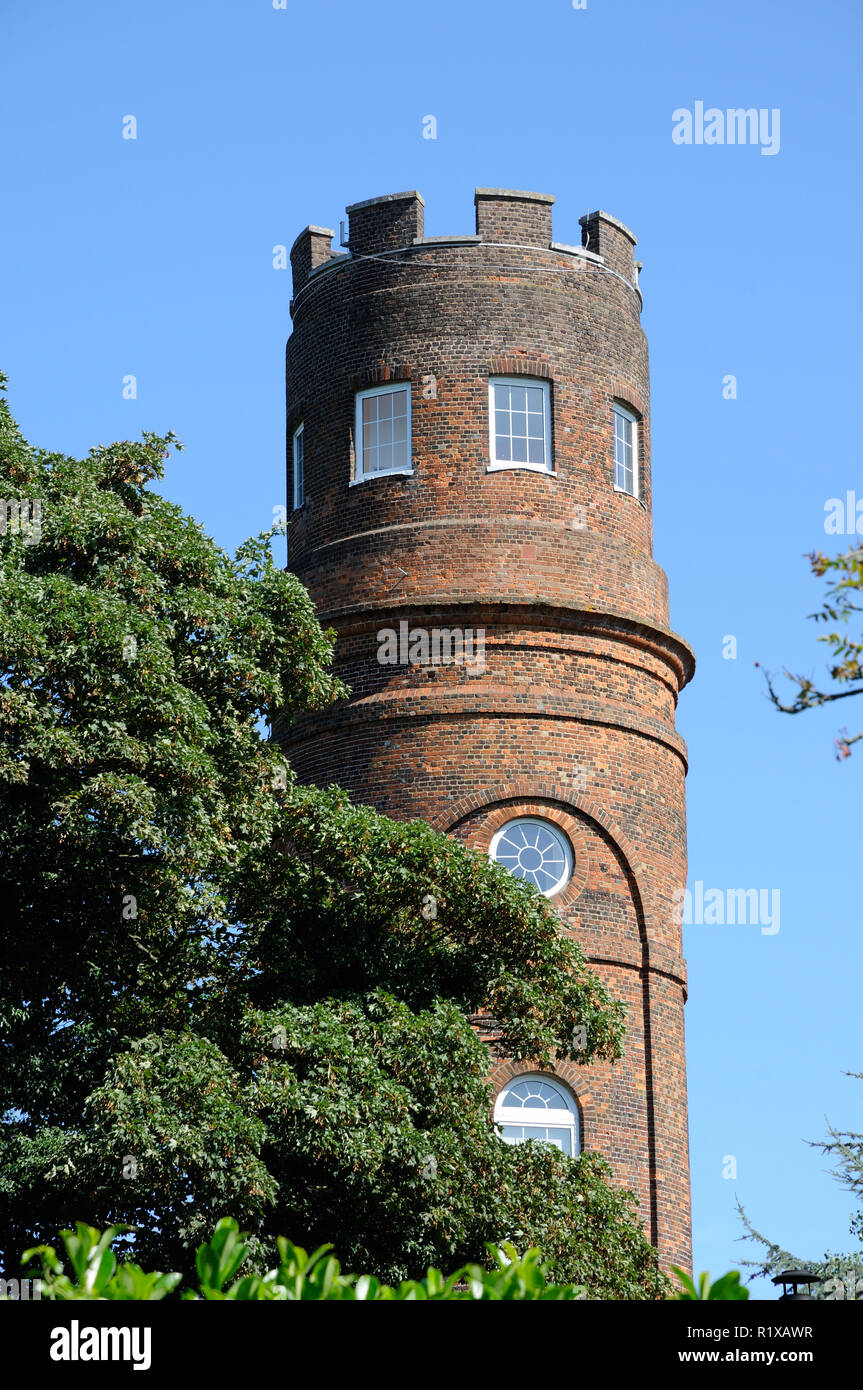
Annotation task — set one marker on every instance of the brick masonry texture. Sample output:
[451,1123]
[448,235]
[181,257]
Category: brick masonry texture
[570,715]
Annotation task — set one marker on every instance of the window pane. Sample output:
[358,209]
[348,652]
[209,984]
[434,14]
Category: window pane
[370,435]
[534,398]
[369,412]
[519,450]
[519,422]
[400,455]
[400,427]
[399,402]
[535,426]
[511,1101]
[562,1138]
[385,432]
[535,451]
[502,450]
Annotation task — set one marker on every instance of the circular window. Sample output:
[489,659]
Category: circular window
[534,850]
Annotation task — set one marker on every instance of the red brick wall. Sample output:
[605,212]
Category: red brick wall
[572,715]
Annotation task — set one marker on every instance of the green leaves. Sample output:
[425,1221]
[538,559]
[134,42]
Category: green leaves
[727,1287]
[298,1277]
[342,906]
[219,1260]
[842,605]
[96,1275]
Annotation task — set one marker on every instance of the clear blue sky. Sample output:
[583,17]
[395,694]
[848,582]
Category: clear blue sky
[153,257]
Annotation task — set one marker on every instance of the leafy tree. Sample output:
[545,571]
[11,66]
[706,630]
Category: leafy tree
[840,608]
[226,992]
[841,1275]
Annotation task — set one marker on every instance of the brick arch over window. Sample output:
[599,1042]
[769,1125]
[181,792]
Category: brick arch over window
[557,802]
[383,374]
[568,1073]
[521,366]
[628,393]
[483,833]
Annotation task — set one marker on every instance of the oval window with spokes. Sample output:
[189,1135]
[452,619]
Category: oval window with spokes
[534,850]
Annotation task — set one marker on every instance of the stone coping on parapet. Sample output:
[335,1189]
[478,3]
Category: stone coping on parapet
[613,221]
[410,195]
[469,238]
[316,231]
[582,251]
[523,195]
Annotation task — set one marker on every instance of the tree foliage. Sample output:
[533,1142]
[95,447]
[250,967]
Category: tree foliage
[840,609]
[841,1275]
[226,992]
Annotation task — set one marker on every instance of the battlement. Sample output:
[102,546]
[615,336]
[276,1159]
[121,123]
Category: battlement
[504,217]
[512,217]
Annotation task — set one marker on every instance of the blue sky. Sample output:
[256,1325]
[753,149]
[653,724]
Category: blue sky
[153,257]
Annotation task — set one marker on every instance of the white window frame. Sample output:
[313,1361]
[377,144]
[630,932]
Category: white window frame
[567,1118]
[630,415]
[556,832]
[494,464]
[299,475]
[360,475]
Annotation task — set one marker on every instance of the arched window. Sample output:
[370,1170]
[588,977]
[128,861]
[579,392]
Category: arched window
[535,850]
[534,1107]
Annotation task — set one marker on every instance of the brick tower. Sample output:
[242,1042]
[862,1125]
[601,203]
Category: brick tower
[468,425]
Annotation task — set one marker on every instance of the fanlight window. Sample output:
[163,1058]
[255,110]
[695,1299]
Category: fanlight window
[535,850]
[532,1107]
